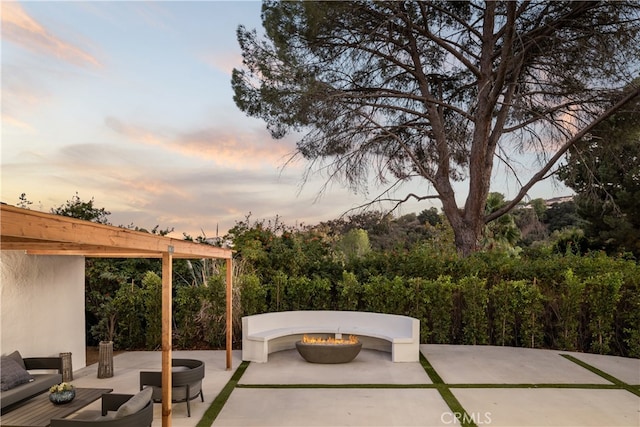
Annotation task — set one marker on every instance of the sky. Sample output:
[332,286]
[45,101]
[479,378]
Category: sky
[130,104]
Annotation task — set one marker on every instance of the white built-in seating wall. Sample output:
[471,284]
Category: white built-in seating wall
[266,333]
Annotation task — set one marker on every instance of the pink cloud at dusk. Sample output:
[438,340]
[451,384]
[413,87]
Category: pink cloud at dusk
[20,28]
[238,149]
[21,96]
[141,191]
[8,120]
[224,63]
[135,133]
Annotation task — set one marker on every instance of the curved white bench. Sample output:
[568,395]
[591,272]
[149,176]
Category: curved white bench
[270,332]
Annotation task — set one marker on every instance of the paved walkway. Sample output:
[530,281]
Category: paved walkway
[492,386]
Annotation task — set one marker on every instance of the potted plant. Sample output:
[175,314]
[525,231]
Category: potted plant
[105,330]
[62,393]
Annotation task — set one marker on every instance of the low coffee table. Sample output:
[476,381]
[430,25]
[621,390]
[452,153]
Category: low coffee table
[39,411]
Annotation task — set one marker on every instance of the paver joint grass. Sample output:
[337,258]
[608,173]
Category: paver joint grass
[281,386]
[218,403]
[608,377]
[446,394]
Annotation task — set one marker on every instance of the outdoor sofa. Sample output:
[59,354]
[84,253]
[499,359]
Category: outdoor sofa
[18,384]
[118,410]
[186,381]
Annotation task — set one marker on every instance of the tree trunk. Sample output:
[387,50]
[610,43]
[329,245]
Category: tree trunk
[466,239]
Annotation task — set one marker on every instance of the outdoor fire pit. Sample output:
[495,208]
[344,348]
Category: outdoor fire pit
[329,350]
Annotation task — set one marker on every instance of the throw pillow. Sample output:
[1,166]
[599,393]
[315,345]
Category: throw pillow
[18,358]
[135,404]
[12,374]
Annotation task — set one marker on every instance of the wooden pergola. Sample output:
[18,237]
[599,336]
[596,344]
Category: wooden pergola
[40,233]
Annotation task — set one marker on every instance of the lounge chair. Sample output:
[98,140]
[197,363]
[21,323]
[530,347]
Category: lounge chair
[186,381]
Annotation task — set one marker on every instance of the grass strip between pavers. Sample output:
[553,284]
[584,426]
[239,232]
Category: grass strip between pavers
[454,404]
[431,372]
[608,377]
[218,403]
[538,385]
[306,386]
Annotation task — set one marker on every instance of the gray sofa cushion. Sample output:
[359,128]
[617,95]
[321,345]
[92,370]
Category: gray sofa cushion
[135,404]
[178,394]
[40,384]
[12,374]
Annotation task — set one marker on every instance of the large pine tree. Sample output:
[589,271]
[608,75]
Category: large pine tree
[438,92]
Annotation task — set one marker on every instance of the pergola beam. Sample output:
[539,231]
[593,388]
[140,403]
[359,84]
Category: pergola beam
[41,231]
[100,254]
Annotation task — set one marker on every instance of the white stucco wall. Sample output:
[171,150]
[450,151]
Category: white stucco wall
[42,305]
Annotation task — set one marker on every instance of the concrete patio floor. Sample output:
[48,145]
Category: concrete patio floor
[496,386]
[126,379]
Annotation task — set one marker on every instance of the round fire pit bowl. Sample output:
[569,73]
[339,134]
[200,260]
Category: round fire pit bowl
[328,353]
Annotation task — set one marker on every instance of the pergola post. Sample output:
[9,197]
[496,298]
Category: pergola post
[167,260]
[229,313]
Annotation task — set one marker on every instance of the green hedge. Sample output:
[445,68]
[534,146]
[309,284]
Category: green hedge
[567,302]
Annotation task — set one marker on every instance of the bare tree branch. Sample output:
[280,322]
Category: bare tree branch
[558,155]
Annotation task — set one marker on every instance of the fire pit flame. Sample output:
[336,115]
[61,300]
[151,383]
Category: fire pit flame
[332,341]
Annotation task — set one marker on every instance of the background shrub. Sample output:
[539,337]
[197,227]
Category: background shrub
[474,301]
[543,299]
[152,297]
